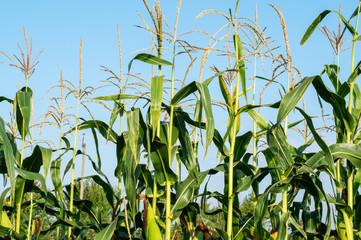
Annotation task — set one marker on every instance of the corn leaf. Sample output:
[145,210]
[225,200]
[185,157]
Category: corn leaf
[282,231]
[224,90]
[102,127]
[297,226]
[188,158]
[207,106]
[8,154]
[348,151]
[184,92]
[338,103]
[33,177]
[23,111]
[262,206]
[131,157]
[117,97]
[205,102]
[331,71]
[240,64]
[317,21]
[319,140]
[4,219]
[354,75]
[55,173]
[46,154]
[185,189]
[290,100]
[160,160]
[241,145]
[118,109]
[156,102]
[258,119]
[220,144]
[107,233]
[150,59]
[121,149]
[279,147]
[214,225]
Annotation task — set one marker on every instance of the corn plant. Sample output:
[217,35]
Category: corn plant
[164,126]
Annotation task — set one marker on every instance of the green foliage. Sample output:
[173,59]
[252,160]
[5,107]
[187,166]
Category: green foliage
[163,138]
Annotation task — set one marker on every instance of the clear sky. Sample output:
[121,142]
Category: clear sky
[57,26]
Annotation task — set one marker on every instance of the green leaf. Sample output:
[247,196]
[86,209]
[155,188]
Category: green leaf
[7,232]
[260,211]
[55,172]
[331,71]
[205,102]
[214,225]
[310,221]
[271,163]
[33,177]
[102,127]
[218,141]
[245,182]
[164,134]
[258,119]
[338,103]
[156,102]
[23,111]
[96,142]
[2,98]
[148,58]
[307,183]
[108,189]
[207,106]
[32,164]
[46,154]
[131,157]
[184,192]
[282,231]
[117,109]
[224,90]
[184,92]
[209,80]
[8,154]
[188,157]
[262,206]
[320,142]
[240,64]
[107,233]
[160,160]
[241,145]
[290,100]
[89,208]
[4,219]
[319,18]
[348,151]
[357,97]
[121,149]
[297,226]
[117,97]
[354,75]
[351,152]
[358,38]
[280,148]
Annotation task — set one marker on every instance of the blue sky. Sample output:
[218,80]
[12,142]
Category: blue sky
[57,26]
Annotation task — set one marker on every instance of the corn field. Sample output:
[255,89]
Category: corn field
[247,127]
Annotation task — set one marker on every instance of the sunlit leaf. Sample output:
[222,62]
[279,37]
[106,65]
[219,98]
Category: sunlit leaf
[148,58]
